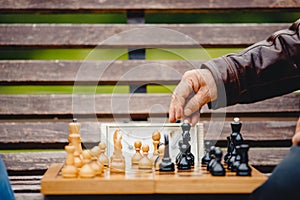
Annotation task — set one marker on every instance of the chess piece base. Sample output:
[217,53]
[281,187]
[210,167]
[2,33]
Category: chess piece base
[69,171]
[117,166]
[166,165]
[205,159]
[243,170]
[218,170]
[183,164]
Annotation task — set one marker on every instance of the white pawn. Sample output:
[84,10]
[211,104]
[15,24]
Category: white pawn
[86,170]
[145,163]
[97,166]
[161,151]
[103,157]
[95,151]
[69,170]
[137,156]
[156,140]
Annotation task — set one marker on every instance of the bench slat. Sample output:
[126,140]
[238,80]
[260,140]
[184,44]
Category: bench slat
[152,5]
[118,72]
[135,36]
[29,196]
[45,133]
[40,161]
[126,104]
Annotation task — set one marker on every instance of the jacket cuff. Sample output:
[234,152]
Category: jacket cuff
[226,80]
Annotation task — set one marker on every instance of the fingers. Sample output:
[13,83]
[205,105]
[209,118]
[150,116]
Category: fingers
[181,92]
[196,88]
[195,118]
[196,102]
[175,110]
[296,137]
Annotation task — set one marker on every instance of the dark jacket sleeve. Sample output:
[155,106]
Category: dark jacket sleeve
[264,70]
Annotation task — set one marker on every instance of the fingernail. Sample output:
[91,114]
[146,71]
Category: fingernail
[187,112]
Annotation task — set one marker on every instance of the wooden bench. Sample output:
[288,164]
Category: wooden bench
[39,122]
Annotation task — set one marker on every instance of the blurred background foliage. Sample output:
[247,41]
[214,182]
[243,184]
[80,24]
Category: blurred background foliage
[120,54]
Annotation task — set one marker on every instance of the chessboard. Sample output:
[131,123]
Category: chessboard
[92,171]
[135,181]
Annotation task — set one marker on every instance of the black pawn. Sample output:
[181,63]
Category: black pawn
[212,158]
[206,158]
[166,165]
[217,168]
[244,168]
[237,161]
[183,163]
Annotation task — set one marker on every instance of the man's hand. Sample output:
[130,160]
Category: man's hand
[196,88]
[296,137]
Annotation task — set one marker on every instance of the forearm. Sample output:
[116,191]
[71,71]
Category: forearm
[264,70]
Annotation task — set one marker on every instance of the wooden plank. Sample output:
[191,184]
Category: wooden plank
[135,36]
[152,5]
[32,161]
[118,72]
[29,196]
[40,161]
[126,104]
[46,133]
[252,130]
[39,134]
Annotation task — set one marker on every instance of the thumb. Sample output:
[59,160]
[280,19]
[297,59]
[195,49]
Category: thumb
[196,102]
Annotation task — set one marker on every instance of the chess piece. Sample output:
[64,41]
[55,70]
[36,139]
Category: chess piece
[86,171]
[237,160]
[183,162]
[234,140]
[74,128]
[212,158]
[75,140]
[229,150]
[186,127]
[95,151]
[69,170]
[206,158]
[236,126]
[178,157]
[102,157]
[233,155]
[96,166]
[117,164]
[244,168]
[161,151]
[145,163]
[137,156]
[217,169]
[166,164]
[156,141]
